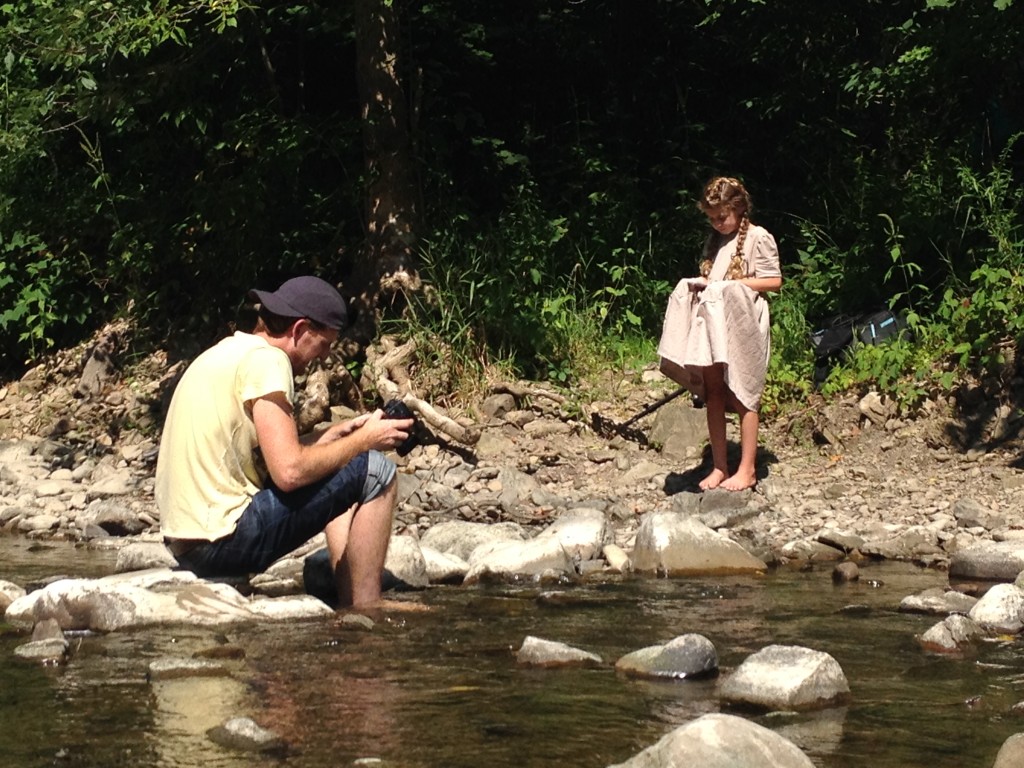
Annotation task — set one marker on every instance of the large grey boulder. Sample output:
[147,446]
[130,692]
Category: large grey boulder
[460,538]
[674,544]
[720,741]
[787,677]
[582,533]
[507,559]
[149,598]
[991,561]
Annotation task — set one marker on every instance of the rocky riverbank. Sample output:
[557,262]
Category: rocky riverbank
[839,481]
[547,493]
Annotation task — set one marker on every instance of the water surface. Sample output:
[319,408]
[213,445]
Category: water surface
[442,688]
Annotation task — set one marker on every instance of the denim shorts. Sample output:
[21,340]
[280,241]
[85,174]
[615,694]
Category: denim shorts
[275,522]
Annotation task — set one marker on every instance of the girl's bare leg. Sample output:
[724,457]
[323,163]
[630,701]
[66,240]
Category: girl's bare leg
[714,403]
[746,473]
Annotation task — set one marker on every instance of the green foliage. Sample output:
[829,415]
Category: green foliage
[174,154]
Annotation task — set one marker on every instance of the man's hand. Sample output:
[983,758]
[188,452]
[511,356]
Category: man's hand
[390,432]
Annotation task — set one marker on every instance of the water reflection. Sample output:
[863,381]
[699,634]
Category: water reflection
[443,688]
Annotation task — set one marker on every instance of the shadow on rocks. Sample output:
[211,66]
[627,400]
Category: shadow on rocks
[689,480]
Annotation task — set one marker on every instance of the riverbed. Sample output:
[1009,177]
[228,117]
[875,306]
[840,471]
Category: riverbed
[442,687]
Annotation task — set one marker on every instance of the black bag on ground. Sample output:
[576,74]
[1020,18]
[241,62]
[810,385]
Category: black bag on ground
[838,333]
[833,337]
[881,326]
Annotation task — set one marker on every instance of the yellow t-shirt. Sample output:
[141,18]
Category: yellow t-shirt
[207,473]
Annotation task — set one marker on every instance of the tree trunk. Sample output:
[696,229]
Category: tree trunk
[386,266]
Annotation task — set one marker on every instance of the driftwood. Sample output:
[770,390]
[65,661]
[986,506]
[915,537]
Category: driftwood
[521,390]
[316,400]
[387,368]
[437,420]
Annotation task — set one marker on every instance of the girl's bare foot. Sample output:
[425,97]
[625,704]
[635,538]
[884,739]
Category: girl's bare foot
[713,480]
[740,482]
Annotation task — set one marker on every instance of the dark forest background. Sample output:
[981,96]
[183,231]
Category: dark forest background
[516,180]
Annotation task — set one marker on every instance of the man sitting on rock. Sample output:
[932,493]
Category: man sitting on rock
[238,488]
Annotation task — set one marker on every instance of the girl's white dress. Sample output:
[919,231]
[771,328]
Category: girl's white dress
[726,322]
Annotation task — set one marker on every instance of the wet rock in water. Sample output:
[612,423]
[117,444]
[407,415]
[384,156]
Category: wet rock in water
[443,568]
[787,677]
[243,733]
[1011,754]
[537,652]
[954,634]
[150,598]
[938,600]
[9,592]
[720,741]
[50,651]
[676,545]
[841,540]
[688,656]
[405,564]
[543,557]
[1001,609]
[617,559]
[582,533]
[141,555]
[178,668]
[47,629]
[845,573]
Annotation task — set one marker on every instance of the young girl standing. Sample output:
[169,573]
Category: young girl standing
[715,340]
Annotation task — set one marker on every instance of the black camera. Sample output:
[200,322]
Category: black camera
[396,409]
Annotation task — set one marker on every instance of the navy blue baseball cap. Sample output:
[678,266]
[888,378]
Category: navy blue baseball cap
[308,297]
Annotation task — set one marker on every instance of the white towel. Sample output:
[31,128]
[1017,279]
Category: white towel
[726,322]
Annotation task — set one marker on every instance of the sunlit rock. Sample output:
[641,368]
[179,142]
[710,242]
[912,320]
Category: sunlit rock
[442,567]
[787,677]
[460,538]
[581,532]
[536,652]
[720,741]
[534,557]
[1001,609]
[675,545]
[1011,754]
[951,635]
[243,733]
[990,561]
[148,598]
[938,600]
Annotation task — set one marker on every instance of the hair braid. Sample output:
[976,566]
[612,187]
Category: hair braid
[728,192]
[737,269]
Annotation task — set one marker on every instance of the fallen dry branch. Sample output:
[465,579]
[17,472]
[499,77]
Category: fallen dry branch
[437,420]
[522,390]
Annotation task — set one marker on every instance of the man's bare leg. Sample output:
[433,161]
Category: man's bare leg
[358,545]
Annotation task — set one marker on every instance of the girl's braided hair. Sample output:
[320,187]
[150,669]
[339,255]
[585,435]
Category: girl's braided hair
[723,191]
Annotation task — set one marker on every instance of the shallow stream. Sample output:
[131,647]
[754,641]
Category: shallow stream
[441,688]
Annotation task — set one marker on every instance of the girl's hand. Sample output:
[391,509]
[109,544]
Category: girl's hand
[698,284]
